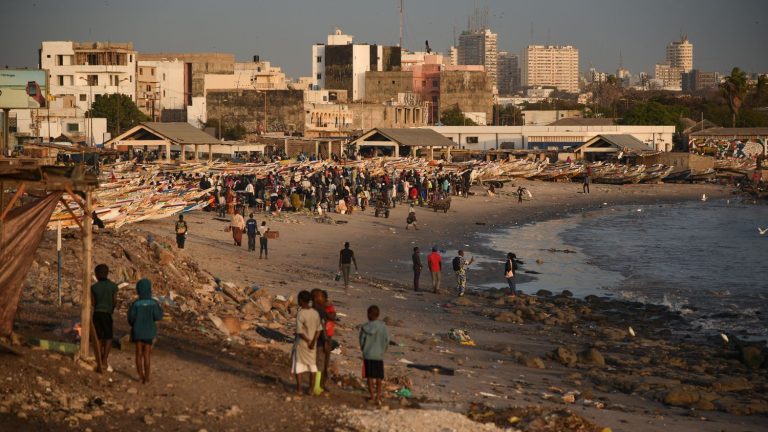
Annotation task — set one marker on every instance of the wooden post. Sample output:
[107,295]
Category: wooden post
[210,153]
[197,156]
[85,301]
[168,152]
[182,155]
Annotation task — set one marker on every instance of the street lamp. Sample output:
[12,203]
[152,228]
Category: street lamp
[90,107]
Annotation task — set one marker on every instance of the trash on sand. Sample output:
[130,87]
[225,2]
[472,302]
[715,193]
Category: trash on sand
[461,336]
[405,361]
[273,334]
[49,345]
[489,395]
[404,392]
[400,296]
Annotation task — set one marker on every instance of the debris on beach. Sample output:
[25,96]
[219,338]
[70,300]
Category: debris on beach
[532,418]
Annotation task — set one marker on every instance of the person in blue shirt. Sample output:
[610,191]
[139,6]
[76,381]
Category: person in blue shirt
[142,316]
[251,227]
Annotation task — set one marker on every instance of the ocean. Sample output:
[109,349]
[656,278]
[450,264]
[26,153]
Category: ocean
[706,260]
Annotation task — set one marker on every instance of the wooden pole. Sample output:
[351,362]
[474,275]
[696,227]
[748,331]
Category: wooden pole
[85,311]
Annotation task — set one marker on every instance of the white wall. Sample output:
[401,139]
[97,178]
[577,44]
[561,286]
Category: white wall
[361,63]
[58,121]
[196,113]
[76,75]
[170,76]
[318,68]
[524,137]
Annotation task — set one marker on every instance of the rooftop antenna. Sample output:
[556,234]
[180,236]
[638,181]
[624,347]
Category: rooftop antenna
[401,23]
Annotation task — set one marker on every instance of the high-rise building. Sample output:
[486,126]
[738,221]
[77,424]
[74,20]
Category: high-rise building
[696,80]
[679,60]
[680,54]
[552,66]
[478,47]
[509,73]
[341,64]
[80,72]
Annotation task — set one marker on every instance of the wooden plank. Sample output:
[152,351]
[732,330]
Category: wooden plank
[74,216]
[85,302]
[13,200]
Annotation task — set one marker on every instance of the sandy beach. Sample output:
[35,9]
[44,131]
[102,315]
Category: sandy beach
[530,350]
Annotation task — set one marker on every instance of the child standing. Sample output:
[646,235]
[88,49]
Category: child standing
[142,316]
[308,328]
[374,341]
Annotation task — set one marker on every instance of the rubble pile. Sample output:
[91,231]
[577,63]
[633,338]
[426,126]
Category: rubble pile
[533,418]
[186,292]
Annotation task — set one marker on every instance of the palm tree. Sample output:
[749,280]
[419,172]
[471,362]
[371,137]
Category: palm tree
[735,89]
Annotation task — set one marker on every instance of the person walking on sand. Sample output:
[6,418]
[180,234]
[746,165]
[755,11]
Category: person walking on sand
[142,316]
[510,269]
[251,227]
[263,230]
[587,180]
[304,354]
[410,221]
[237,225]
[460,267]
[346,259]
[416,257]
[181,232]
[435,263]
[374,341]
[104,300]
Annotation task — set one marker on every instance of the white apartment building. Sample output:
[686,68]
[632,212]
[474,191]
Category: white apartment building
[478,47]
[50,124]
[679,60]
[160,86]
[554,66]
[79,72]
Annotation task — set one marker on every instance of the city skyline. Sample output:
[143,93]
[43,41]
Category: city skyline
[284,33]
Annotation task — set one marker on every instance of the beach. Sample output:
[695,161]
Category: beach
[550,349]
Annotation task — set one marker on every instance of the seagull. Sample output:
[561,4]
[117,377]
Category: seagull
[762,231]
[724,337]
[703,197]
[631,331]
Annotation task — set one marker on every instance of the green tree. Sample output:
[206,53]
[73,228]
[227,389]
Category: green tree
[654,113]
[735,88]
[117,107]
[453,116]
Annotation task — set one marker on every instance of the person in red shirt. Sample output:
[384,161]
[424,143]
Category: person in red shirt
[435,264]
[327,313]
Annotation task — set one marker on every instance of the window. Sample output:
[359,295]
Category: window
[423,83]
[73,127]
[153,71]
[83,97]
[435,83]
[163,93]
[93,80]
[59,60]
[149,87]
[61,80]
[472,140]
[130,58]
[434,99]
[163,76]
[141,71]
[319,76]
[319,59]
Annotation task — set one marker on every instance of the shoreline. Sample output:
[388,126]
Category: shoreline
[514,338]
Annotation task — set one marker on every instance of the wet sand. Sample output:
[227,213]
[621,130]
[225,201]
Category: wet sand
[306,256]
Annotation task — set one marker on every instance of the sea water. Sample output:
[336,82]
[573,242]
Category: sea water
[704,259]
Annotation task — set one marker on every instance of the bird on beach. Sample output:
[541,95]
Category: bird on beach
[762,231]
[703,197]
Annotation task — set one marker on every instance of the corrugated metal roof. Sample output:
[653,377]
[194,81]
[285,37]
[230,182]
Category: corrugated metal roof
[621,141]
[411,137]
[181,133]
[732,132]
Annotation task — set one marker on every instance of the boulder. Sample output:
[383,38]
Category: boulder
[592,357]
[565,356]
[463,301]
[531,362]
[543,293]
[732,384]
[682,397]
[232,324]
[752,356]
[264,303]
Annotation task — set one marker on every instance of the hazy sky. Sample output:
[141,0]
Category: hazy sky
[724,33]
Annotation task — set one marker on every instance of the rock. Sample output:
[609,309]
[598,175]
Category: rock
[732,384]
[592,356]
[752,356]
[500,302]
[543,293]
[463,301]
[682,397]
[703,405]
[508,317]
[613,334]
[132,391]
[566,293]
[125,343]
[532,362]
[149,420]
[232,325]
[234,410]
[565,356]
[264,303]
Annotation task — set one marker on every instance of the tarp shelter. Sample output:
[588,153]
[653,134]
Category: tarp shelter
[22,225]
[162,136]
[411,139]
[601,147]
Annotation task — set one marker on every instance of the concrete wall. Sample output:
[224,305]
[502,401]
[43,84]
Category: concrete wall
[471,91]
[383,87]
[368,116]
[200,65]
[284,109]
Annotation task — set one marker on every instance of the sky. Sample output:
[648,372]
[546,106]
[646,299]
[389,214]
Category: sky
[724,34]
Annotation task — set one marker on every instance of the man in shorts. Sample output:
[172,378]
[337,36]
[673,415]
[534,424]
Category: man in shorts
[104,300]
[374,341]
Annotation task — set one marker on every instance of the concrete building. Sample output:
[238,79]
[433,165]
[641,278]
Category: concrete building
[468,88]
[478,47]
[80,72]
[508,73]
[696,80]
[342,64]
[160,89]
[556,66]
[597,77]
[550,137]
[668,77]
[384,87]
[680,54]
[56,124]
[545,117]
[258,111]
[410,60]
[454,56]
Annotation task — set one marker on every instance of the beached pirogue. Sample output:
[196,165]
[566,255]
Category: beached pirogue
[132,192]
